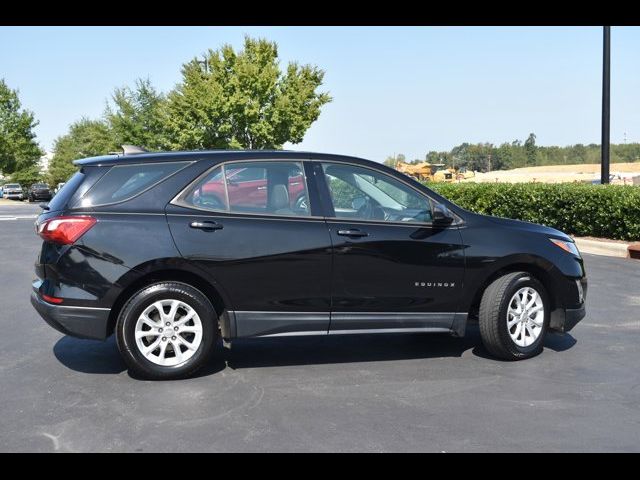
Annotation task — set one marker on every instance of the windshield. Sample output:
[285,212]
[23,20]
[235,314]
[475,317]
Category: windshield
[12,185]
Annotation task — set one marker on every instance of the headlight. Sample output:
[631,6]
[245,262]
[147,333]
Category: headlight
[566,246]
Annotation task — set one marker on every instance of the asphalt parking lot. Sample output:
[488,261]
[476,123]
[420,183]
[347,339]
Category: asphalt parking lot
[429,393]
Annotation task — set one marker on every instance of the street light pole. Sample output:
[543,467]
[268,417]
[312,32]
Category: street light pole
[606,113]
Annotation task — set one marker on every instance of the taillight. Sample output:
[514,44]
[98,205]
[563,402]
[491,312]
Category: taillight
[50,299]
[65,230]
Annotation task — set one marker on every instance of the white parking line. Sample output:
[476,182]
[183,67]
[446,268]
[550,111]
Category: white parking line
[19,217]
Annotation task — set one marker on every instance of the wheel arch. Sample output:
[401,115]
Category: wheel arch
[540,269]
[140,277]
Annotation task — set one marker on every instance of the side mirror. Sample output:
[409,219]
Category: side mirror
[441,215]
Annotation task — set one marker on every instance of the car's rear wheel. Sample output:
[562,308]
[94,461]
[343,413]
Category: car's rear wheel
[166,331]
[514,316]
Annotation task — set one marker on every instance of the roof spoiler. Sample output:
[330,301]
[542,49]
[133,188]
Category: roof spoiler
[132,150]
[129,150]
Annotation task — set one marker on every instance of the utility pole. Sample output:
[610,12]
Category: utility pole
[606,113]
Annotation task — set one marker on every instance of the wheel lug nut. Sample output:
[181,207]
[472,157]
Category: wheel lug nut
[175,328]
[167,324]
[160,329]
[164,339]
[173,338]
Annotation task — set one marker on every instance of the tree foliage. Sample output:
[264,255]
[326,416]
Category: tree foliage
[236,100]
[137,116]
[86,138]
[243,100]
[393,160]
[19,150]
[481,156]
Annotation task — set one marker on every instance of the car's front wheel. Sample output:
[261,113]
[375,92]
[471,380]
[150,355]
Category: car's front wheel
[514,316]
[166,331]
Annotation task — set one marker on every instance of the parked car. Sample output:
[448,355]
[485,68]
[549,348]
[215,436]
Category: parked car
[39,192]
[13,191]
[135,245]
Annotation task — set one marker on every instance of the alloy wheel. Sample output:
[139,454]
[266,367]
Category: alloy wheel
[168,332]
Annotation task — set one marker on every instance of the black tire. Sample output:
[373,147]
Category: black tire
[125,330]
[493,316]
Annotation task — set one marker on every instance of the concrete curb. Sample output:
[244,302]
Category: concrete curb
[603,247]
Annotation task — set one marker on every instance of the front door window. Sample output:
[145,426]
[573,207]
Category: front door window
[361,193]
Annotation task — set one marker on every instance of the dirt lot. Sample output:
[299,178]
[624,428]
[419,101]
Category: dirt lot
[628,173]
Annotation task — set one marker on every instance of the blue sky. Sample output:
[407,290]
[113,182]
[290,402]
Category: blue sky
[396,90]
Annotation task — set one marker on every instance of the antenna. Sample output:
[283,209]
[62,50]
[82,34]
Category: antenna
[132,150]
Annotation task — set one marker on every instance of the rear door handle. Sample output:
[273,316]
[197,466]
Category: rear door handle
[206,226]
[354,232]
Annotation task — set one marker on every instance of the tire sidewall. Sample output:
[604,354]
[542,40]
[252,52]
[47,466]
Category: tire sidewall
[516,284]
[125,329]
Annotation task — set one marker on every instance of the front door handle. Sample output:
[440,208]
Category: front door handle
[206,226]
[354,232]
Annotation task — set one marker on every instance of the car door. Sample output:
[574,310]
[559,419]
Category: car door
[272,258]
[392,268]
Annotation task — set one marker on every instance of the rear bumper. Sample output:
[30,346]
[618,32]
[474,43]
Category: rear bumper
[81,322]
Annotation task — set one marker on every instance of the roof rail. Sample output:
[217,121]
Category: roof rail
[132,150]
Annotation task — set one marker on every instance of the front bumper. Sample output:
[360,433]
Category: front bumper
[41,196]
[13,196]
[81,322]
[563,320]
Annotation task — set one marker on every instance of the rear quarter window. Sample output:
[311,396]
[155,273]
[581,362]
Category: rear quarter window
[60,199]
[123,182]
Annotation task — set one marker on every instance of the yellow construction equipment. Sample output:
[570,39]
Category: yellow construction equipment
[424,171]
[434,172]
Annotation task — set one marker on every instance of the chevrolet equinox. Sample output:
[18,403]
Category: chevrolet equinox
[173,251]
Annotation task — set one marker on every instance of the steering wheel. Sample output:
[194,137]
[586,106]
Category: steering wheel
[371,210]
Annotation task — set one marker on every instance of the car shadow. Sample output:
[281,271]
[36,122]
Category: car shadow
[96,357]
[559,342]
[288,351]
[89,356]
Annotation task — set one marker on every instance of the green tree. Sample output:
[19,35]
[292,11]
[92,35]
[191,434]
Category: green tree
[19,151]
[27,175]
[86,138]
[137,116]
[392,161]
[531,149]
[243,100]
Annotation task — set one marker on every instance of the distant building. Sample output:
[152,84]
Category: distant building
[44,162]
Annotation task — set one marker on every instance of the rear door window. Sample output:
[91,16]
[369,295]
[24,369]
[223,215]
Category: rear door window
[124,182]
[253,187]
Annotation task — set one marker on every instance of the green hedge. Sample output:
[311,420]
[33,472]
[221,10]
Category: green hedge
[605,211]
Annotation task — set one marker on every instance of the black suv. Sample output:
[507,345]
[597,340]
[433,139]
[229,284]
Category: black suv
[39,191]
[172,251]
